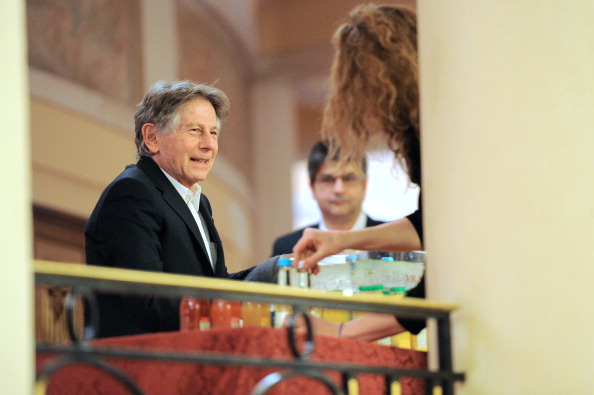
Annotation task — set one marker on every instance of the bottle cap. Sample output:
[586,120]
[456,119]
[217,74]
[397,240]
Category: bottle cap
[398,290]
[283,262]
[235,322]
[204,323]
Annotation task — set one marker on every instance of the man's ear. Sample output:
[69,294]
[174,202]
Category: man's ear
[150,135]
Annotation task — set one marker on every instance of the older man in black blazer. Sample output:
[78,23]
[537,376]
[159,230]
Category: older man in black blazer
[339,194]
[153,216]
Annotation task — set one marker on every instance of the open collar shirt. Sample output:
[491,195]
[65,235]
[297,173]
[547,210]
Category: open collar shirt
[192,199]
[360,223]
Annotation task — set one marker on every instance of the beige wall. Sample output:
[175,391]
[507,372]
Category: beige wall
[275,121]
[508,142]
[16,290]
[74,157]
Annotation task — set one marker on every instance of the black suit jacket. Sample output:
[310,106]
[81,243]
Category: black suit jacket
[142,222]
[284,244]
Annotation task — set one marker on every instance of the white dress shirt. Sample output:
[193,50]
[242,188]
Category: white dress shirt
[360,223]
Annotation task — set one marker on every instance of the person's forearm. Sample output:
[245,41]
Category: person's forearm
[399,235]
[314,245]
[371,327]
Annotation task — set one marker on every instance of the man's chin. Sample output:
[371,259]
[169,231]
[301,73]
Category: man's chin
[200,176]
[339,213]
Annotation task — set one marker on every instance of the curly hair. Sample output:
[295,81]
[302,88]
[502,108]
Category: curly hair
[374,85]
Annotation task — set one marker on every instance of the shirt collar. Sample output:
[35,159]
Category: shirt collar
[360,223]
[188,195]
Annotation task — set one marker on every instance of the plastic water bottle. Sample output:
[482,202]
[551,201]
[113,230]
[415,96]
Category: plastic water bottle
[280,311]
[284,267]
[398,291]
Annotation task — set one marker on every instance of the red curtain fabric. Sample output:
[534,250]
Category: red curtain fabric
[167,378]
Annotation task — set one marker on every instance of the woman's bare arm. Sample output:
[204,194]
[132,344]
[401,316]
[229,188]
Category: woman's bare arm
[314,245]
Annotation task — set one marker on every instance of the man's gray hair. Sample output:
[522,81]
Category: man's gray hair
[161,105]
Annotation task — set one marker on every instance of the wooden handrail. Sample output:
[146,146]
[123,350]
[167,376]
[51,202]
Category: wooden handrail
[178,284]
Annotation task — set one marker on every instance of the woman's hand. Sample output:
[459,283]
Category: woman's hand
[315,245]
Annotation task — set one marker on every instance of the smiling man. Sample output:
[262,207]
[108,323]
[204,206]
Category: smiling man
[153,216]
[339,194]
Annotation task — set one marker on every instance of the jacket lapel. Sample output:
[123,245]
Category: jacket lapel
[174,200]
[208,223]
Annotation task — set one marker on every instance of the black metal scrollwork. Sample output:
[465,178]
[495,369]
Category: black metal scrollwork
[76,356]
[91,323]
[309,344]
[270,381]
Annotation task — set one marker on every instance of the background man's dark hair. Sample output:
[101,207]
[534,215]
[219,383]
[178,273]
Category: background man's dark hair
[318,156]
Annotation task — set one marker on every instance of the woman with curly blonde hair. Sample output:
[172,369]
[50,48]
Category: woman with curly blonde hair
[374,97]
[375,85]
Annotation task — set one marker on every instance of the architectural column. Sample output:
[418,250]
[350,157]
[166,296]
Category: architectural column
[508,178]
[159,41]
[274,138]
[16,287]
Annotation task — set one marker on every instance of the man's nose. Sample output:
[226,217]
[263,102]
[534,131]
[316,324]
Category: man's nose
[208,141]
[338,184]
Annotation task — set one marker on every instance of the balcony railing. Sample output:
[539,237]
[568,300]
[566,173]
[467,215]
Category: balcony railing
[85,279]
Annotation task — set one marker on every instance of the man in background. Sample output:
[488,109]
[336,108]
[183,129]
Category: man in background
[339,194]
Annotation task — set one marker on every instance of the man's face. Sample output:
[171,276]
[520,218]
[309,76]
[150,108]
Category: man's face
[188,152]
[338,193]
